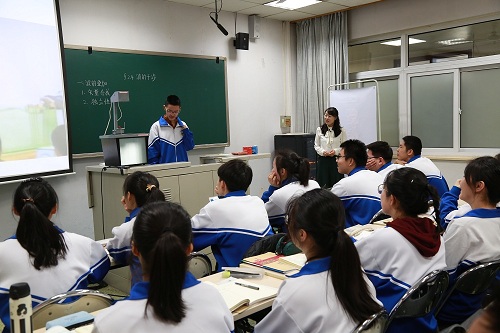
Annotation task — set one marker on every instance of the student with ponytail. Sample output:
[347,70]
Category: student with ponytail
[170,299]
[289,176]
[396,257]
[49,259]
[139,188]
[331,292]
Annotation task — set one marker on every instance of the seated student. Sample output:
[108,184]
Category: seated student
[408,154]
[358,191]
[331,293]
[396,257]
[380,158]
[170,299]
[233,223]
[448,208]
[49,259]
[139,188]
[473,237]
[289,176]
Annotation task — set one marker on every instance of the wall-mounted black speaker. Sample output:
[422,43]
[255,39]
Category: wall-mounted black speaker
[241,41]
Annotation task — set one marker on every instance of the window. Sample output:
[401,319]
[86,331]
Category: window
[471,41]
[376,55]
[479,102]
[445,91]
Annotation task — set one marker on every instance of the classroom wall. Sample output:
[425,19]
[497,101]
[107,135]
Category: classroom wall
[392,16]
[255,82]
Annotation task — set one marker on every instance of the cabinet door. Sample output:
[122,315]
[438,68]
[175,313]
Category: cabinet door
[195,190]
[170,187]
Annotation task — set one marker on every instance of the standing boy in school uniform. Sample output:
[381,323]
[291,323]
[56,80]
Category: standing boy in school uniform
[169,137]
[233,223]
[359,191]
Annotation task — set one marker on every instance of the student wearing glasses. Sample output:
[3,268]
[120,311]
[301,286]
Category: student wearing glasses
[380,158]
[396,257]
[169,137]
[358,191]
[331,293]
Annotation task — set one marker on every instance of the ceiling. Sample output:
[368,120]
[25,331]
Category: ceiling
[256,7]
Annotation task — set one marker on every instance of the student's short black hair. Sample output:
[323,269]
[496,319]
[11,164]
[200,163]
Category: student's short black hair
[487,170]
[173,100]
[413,142]
[356,150]
[236,174]
[381,149]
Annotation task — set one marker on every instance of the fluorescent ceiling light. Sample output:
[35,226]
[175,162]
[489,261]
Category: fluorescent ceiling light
[397,42]
[291,4]
[454,41]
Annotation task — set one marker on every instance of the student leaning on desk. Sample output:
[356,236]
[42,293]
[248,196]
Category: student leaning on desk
[170,299]
[330,293]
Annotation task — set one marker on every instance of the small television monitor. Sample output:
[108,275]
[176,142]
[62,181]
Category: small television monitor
[125,149]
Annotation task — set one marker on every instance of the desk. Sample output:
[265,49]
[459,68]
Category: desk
[222,158]
[245,311]
[240,313]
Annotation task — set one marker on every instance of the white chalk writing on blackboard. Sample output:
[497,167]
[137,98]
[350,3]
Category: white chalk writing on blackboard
[95,92]
[139,77]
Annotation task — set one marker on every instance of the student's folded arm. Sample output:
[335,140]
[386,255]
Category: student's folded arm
[99,262]
[204,232]
[267,194]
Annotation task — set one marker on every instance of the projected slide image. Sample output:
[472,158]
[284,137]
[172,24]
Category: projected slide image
[33,121]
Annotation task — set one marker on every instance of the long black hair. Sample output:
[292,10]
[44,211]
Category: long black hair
[144,187]
[295,166]
[487,170]
[336,124]
[321,214]
[413,192]
[162,234]
[34,200]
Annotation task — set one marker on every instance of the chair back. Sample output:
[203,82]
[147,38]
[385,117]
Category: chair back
[475,280]
[199,265]
[423,297]
[375,324]
[84,300]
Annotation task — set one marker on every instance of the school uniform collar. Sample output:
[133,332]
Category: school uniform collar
[357,169]
[384,166]
[485,213]
[140,290]
[314,267]
[414,158]
[239,193]
[288,181]
[163,122]
[55,226]
[132,214]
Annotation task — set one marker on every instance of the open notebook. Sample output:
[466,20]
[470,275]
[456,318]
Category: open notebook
[239,292]
[277,263]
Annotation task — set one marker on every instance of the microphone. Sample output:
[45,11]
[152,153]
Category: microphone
[221,28]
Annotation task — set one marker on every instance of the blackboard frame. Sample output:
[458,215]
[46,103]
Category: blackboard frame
[219,63]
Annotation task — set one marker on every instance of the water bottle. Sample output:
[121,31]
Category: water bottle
[20,308]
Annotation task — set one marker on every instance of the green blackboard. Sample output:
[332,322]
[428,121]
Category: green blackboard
[91,79]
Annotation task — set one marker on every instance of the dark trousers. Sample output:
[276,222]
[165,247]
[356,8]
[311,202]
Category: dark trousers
[326,172]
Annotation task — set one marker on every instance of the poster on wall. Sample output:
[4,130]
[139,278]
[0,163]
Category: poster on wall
[357,112]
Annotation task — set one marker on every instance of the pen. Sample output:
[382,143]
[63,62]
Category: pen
[247,285]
